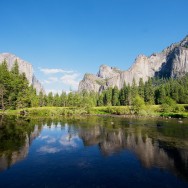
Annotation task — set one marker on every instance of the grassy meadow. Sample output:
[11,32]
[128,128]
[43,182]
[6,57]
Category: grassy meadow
[145,111]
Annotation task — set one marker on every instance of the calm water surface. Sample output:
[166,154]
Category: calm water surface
[93,152]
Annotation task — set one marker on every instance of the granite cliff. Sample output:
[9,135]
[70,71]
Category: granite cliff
[24,67]
[171,62]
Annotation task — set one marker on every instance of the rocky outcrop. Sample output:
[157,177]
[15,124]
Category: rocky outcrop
[37,85]
[171,62]
[24,67]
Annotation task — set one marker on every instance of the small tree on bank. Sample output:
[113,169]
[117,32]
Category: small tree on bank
[137,104]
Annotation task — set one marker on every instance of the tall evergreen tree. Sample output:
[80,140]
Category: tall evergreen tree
[41,99]
[100,101]
[2,97]
[161,95]
[115,96]
[149,92]
[141,88]
[128,96]
[107,100]
[70,99]
[50,100]
[134,89]
[63,99]
[56,100]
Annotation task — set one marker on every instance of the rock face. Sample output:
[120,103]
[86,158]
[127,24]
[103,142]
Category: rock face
[171,62]
[24,67]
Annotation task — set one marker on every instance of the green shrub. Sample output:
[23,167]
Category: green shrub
[137,105]
[168,105]
[179,108]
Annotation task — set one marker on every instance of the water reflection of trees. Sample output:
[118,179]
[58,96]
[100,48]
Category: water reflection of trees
[151,146]
[16,136]
[163,146]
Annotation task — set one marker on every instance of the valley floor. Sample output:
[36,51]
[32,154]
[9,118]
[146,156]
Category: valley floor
[126,111]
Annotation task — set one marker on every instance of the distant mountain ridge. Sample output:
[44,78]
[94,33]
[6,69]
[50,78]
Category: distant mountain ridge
[24,67]
[171,62]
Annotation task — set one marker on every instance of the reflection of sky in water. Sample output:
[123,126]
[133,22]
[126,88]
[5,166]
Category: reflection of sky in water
[57,138]
[72,155]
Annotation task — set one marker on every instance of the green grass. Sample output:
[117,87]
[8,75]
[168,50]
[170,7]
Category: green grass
[48,111]
[148,110]
[117,110]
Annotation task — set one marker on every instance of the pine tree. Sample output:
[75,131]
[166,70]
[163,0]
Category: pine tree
[4,85]
[128,95]
[115,96]
[76,99]
[56,100]
[121,97]
[70,99]
[15,68]
[33,97]
[2,97]
[141,88]
[149,92]
[63,99]
[50,100]
[134,89]
[100,100]
[41,99]
[161,95]
[107,100]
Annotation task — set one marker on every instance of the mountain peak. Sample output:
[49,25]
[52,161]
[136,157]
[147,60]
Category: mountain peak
[171,62]
[184,42]
[106,72]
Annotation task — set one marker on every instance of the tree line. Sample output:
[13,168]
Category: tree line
[16,93]
[153,91]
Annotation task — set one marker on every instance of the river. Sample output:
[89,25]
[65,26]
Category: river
[93,152]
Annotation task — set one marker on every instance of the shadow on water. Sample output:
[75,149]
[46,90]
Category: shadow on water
[156,143]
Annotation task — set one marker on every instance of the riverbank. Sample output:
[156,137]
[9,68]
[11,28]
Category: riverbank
[125,111]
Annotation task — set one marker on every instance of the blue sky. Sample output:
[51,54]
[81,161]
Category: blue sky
[63,39]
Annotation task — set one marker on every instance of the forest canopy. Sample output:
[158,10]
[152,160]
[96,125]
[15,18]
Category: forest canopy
[16,93]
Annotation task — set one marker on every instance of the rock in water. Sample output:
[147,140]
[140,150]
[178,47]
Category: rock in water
[24,67]
[171,62]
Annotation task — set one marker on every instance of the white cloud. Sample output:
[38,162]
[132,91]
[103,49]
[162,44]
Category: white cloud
[71,80]
[66,80]
[68,142]
[46,82]
[51,80]
[44,137]
[55,71]
[47,138]
[48,149]
[51,140]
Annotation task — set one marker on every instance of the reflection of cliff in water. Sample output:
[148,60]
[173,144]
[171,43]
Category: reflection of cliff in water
[8,158]
[15,142]
[152,152]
